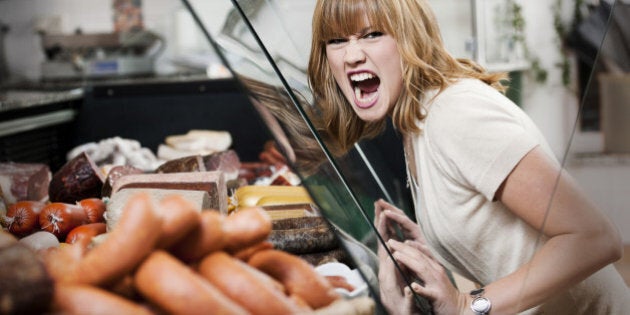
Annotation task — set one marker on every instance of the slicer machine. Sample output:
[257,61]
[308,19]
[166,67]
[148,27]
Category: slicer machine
[96,55]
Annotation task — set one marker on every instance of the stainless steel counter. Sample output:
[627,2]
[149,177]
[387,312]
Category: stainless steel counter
[21,99]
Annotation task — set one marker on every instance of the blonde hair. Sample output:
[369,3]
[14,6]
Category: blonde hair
[425,62]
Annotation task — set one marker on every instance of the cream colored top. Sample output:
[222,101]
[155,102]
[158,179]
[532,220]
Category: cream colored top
[473,136]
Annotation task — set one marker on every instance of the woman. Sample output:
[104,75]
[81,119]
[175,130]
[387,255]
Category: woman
[493,205]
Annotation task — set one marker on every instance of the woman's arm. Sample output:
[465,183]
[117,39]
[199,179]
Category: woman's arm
[581,239]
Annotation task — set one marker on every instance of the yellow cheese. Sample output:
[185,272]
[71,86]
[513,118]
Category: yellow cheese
[283,200]
[248,196]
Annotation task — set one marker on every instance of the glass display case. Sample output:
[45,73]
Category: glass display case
[265,44]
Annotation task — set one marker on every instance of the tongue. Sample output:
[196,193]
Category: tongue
[369,86]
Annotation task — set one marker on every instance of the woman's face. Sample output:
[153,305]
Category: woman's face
[368,69]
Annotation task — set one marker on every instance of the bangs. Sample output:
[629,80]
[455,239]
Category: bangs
[340,18]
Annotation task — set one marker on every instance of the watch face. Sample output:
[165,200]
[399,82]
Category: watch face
[481,305]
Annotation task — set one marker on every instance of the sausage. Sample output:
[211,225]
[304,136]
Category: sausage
[246,227]
[23,217]
[296,275]
[59,218]
[83,234]
[133,238]
[245,253]
[62,262]
[177,289]
[306,240]
[207,237]
[253,290]
[83,299]
[178,218]
[95,208]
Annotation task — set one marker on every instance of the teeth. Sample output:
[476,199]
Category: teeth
[361,76]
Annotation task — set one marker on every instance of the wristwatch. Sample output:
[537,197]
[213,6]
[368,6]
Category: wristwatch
[480,305]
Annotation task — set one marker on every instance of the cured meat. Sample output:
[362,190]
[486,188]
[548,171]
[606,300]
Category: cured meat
[78,179]
[211,182]
[24,181]
[193,163]
[114,174]
[227,162]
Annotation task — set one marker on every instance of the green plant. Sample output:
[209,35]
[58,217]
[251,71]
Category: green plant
[517,22]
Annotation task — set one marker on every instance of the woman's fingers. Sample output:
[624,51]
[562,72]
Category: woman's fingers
[409,228]
[421,247]
[416,260]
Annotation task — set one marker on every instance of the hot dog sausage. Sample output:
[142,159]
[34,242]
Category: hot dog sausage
[246,227]
[296,275]
[83,299]
[204,239]
[174,287]
[232,276]
[179,217]
[133,238]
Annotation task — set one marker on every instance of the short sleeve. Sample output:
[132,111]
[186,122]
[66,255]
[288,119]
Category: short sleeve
[477,137]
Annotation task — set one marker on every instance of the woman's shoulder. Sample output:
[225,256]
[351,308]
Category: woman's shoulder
[470,89]
[466,95]
[469,105]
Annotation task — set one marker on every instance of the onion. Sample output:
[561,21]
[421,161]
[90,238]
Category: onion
[40,240]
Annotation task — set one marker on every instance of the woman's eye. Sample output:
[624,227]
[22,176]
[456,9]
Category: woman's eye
[335,41]
[373,35]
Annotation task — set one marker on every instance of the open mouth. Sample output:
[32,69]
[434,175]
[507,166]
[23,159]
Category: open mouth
[365,86]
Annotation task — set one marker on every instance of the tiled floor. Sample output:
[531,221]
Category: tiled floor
[623,265]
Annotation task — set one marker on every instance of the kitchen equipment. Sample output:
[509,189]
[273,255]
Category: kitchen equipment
[100,54]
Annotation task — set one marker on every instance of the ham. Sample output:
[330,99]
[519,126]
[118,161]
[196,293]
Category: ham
[24,181]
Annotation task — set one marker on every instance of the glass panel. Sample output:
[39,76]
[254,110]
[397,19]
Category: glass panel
[267,52]
[342,188]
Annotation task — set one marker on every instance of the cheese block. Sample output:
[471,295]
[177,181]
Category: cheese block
[198,198]
[211,182]
[250,196]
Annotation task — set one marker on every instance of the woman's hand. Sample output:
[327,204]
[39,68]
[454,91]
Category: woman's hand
[387,218]
[394,292]
[437,289]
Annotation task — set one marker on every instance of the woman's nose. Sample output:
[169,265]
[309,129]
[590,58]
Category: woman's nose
[354,53]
